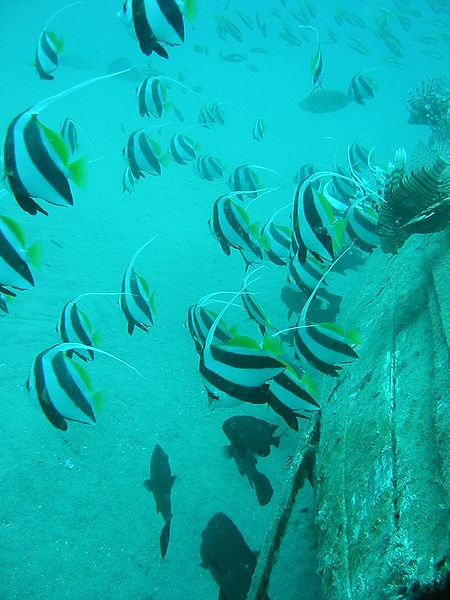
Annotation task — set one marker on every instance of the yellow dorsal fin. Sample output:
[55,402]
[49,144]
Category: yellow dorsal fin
[35,253]
[15,229]
[83,375]
[78,171]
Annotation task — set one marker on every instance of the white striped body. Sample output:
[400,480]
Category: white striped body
[259,130]
[294,392]
[136,301]
[182,149]
[237,371]
[362,227]
[312,216]
[151,97]
[74,327]
[232,228]
[69,134]
[142,154]
[33,168]
[62,388]
[325,346]
[208,167]
[48,50]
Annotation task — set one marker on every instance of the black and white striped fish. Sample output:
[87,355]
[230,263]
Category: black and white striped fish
[231,225]
[276,241]
[200,320]
[315,228]
[208,167]
[326,346]
[63,387]
[36,164]
[211,114]
[255,311]
[296,393]
[362,226]
[244,180]
[75,327]
[237,371]
[151,97]
[136,301]
[49,47]
[143,154]
[183,149]
[48,51]
[156,22]
[259,129]
[361,88]
[15,269]
[69,134]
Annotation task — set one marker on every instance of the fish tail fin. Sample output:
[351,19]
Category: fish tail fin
[190,10]
[78,171]
[35,253]
[164,538]
[263,488]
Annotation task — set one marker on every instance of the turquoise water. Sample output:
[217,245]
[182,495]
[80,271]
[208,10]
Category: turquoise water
[76,520]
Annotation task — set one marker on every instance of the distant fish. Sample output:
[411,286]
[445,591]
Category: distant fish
[226,555]
[259,129]
[246,464]
[74,326]
[69,134]
[208,167]
[143,154]
[183,149]
[15,257]
[244,180]
[156,22]
[250,433]
[151,97]
[48,51]
[160,484]
[136,302]
[361,88]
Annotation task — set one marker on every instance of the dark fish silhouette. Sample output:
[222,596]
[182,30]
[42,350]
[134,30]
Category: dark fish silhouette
[250,433]
[246,465]
[160,484]
[226,555]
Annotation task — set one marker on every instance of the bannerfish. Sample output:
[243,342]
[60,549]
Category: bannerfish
[136,302]
[226,555]
[15,257]
[63,387]
[246,464]
[69,133]
[326,346]
[156,22]
[128,181]
[259,129]
[250,433]
[208,167]
[183,149]
[143,154]
[160,485]
[37,164]
[151,97]
[75,326]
